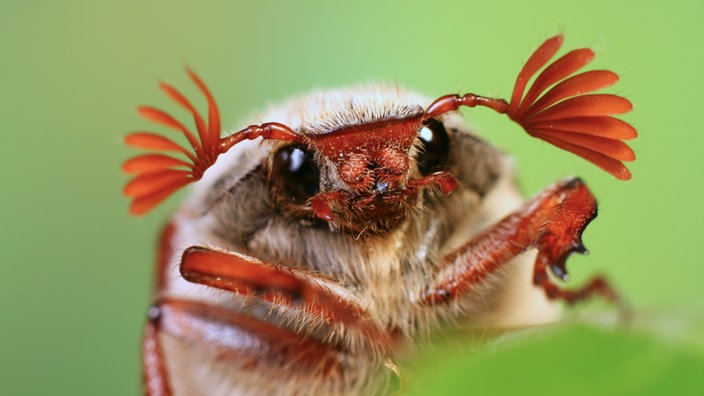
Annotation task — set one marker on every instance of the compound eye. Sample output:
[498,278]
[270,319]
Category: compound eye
[435,149]
[295,173]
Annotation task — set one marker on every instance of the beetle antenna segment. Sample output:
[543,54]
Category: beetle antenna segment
[158,175]
[567,115]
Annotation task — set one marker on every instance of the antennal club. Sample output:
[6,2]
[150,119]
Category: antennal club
[158,175]
[567,115]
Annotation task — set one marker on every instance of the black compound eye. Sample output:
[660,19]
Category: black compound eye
[295,172]
[435,150]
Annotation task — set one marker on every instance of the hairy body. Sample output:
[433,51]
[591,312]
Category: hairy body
[384,273]
[324,245]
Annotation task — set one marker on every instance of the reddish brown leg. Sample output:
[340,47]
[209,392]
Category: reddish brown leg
[552,222]
[163,256]
[280,285]
[550,258]
[596,286]
[229,336]
[155,379]
[249,340]
[154,374]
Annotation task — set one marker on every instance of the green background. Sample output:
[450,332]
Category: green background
[75,269]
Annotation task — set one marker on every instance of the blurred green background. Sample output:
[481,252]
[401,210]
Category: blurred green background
[75,269]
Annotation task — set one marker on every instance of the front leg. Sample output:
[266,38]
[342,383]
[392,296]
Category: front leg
[552,222]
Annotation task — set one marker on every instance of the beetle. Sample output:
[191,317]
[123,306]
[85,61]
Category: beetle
[323,244]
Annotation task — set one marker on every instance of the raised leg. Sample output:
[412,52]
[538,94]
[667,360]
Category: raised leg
[552,222]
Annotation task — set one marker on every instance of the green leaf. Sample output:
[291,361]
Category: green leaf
[652,355]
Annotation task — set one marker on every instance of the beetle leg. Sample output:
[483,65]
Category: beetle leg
[153,366]
[597,285]
[163,258]
[154,374]
[279,285]
[552,222]
[230,336]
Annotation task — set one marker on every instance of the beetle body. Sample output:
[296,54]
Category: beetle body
[385,273]
[320,247]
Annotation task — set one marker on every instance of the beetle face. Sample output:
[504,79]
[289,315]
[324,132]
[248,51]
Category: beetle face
[358,178]
[367,176]
[401,192]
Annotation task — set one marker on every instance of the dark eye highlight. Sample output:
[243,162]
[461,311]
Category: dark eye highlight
[295,173]
[435,149]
